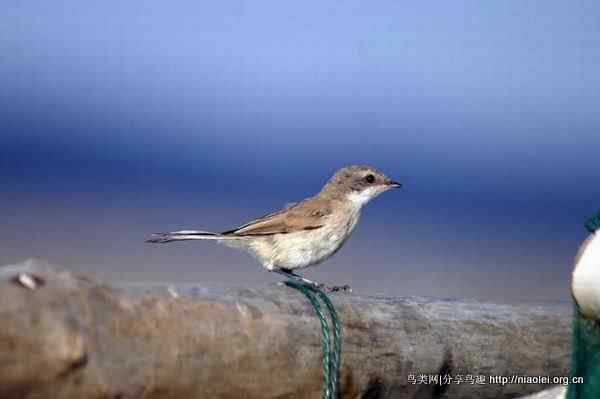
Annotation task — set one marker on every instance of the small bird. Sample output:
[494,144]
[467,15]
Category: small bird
[306,233]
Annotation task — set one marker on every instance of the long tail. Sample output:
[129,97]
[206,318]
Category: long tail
[188,235]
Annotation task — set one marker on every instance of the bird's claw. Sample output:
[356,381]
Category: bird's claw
[343,288]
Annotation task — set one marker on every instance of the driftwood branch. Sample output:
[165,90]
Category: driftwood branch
[64,335]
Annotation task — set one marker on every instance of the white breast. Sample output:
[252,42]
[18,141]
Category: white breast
[586,279]
[306,248]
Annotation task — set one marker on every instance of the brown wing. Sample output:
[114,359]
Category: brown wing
[306,215]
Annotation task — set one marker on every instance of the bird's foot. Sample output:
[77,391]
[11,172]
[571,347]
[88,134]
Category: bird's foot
[328,289]
[346,289]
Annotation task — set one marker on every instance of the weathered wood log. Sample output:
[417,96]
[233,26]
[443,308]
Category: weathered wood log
[64,335]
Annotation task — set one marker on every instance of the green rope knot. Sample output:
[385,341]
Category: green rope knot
[585,358]
[331,355]
[593,223]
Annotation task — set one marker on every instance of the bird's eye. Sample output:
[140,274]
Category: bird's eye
[370,178]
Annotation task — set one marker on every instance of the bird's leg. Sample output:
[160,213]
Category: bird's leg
[291,275]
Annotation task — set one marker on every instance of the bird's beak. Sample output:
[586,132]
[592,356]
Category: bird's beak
[394,184]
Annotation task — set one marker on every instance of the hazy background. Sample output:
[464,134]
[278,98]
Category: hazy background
[118,119]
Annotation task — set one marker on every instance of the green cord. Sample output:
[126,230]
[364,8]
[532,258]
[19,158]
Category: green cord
[331,361]
[593,223]
[337,341]
[585,358]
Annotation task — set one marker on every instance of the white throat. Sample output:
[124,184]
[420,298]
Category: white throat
[360,198]
[586,279]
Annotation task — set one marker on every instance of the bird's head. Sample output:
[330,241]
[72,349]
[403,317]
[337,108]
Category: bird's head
[358,184]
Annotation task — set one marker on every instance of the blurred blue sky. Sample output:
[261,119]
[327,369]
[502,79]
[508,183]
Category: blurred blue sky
[123,118]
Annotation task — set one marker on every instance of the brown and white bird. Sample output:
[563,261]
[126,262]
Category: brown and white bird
[306,233]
